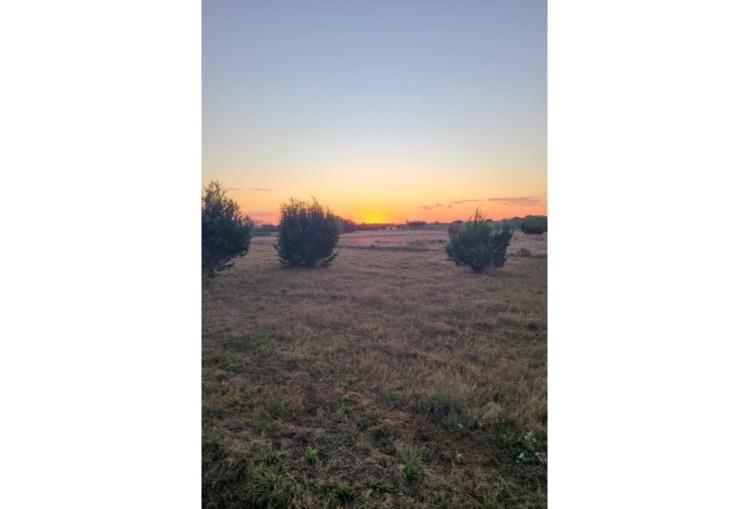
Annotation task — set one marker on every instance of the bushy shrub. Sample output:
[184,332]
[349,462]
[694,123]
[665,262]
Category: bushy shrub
[534,225]
[226,232]
[307,234]
[478,244]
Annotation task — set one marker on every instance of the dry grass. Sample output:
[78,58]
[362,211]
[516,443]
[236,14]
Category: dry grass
[419,383]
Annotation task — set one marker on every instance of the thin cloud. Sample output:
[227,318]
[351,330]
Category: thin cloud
[256,189]
[430,207]
[458,202]
[517,200]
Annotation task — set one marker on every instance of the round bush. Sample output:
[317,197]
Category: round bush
[307,234]
[226,232]
[478,244]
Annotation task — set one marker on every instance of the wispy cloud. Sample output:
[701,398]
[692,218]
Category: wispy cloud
[517,200]
[458,202]
[262,216]
[430,207]
[256,189]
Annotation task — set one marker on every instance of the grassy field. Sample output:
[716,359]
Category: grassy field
[393,378]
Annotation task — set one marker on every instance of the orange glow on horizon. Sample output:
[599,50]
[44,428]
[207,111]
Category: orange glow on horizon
[372,219]
[413,213]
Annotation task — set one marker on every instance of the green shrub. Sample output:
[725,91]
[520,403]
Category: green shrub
[478,244]
[226,232]
[308,232]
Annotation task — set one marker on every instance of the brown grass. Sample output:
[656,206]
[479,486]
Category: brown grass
[390,349]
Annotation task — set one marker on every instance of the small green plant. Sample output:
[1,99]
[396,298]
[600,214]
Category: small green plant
[478,243]
[344,492]
[311,455]
[226,233]
[526,447]
[379,487]
[308,233]
[445,408]
[410,456]
[411,472]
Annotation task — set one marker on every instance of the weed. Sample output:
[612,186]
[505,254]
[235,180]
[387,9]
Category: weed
[446,409]
[379,487]
[410,456]
[344,492]
[311,455]
[527,449]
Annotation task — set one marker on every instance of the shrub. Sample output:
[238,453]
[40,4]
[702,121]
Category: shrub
[308,232]
[478,244]
[534,225]
[226,232]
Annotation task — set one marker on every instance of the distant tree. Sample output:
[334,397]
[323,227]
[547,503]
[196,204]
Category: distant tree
[478,244]
[308,233]
[534,225]
[226,232]
[415,224]
[346,225]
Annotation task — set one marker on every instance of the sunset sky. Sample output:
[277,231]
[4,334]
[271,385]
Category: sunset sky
[382,110]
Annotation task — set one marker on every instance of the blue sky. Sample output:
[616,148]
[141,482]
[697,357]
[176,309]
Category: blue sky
[378,109]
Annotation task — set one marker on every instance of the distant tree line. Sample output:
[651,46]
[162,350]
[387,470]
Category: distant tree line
[531,225]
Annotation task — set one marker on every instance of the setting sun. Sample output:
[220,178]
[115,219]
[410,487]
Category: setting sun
[373,219]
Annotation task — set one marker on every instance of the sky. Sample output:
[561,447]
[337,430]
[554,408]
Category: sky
[385,111]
